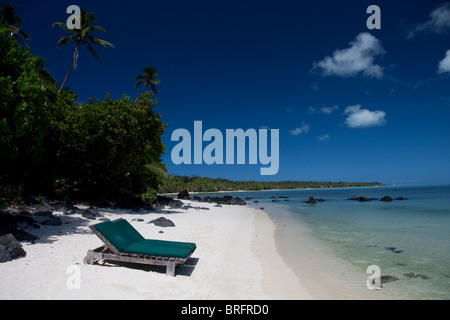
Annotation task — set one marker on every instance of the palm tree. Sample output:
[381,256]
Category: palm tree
[13,23]
[79,37]
[148,78]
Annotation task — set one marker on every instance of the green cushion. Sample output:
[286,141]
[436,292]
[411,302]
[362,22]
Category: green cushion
[147,248]
[186,245]
[128,229]
[115,235]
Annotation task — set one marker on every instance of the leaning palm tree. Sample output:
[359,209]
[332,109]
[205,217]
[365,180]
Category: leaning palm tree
[148,78]
[79,37]
[13,23]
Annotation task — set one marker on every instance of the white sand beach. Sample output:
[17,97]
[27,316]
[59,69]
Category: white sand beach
[236,258]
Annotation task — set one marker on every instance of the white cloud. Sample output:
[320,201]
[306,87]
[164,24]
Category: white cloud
[363,118]
[326,110]
[324,138]
[298,131]
[329,110]
[311,110]
[444,64]
[439,21]
[359,58]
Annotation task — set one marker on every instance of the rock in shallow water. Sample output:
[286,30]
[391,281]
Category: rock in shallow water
[387,278]
[413,275]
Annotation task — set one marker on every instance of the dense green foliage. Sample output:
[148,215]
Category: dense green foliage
[24,122]
[200,184]
[50,144]
[104,144]
[13,23]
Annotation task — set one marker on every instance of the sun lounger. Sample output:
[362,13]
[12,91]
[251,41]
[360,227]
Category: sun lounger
[123,243]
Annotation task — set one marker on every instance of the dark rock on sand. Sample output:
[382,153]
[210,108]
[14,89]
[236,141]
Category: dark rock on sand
[162,222]
[386,198]
[183,195]
[10,248]
[167,201]
[89,214]
[276,200]
[14,222]
[53,221]
[43,213]
[238,201]
[401,198]
[224,200]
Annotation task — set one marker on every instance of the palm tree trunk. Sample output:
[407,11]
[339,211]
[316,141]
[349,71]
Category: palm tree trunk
[75,56]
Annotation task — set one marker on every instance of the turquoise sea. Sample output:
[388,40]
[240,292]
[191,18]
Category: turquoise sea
[408,239]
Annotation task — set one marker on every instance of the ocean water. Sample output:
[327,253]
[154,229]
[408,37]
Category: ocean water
[409,240]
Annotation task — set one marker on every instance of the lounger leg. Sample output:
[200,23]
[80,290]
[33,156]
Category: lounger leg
[170,270]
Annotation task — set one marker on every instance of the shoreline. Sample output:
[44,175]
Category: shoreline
[325,275]
[236,259]
[330,188]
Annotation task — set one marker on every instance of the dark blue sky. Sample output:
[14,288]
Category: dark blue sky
[351,104]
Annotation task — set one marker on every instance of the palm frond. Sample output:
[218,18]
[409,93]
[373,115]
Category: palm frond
[152,168]
[25,35]
[92,51]
[62,26]
[99,41]
[90,29]
[155,89]
[65,40]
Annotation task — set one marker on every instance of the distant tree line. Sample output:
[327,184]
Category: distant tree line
[176,183]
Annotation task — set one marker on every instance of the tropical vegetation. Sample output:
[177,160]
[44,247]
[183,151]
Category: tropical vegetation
[176,183]
[13,23]
[53,145]
[148,78]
